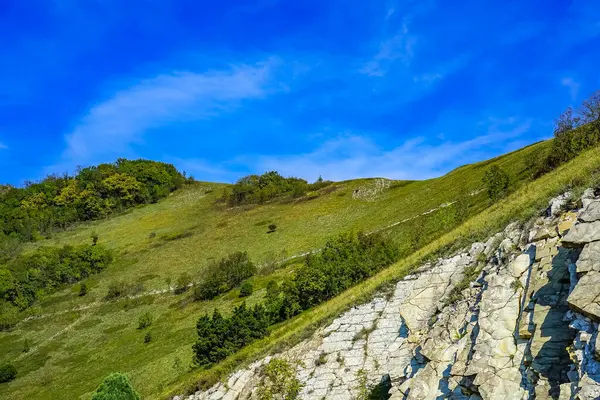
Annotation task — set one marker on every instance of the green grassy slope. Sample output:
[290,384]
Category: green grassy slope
[76,341]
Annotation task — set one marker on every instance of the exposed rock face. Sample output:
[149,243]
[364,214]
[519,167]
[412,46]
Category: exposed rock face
[526,327]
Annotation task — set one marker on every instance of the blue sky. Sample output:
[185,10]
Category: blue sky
[341,88]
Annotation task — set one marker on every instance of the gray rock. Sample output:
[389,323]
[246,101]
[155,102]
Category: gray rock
[582,233]
[557,203]
[589,260]
[587,197]
[476,249]
[585,299]
[591,213]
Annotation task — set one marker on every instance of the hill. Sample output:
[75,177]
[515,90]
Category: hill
[73,341]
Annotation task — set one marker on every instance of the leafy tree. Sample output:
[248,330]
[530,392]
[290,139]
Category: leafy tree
[246,289]
[497,182]
[116,386]
[8,372]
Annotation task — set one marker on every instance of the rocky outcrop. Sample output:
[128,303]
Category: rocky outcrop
[515,317]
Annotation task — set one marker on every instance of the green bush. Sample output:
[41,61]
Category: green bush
[123,289]
[8,372]
[83,289]
[246,289]
[183,283]
[145,320]
[272,227]
[497,182]
[279,381]
[224,275]
[116,386]
[147,337]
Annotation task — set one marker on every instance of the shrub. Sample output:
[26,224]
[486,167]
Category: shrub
[8,372]
[497,181]
[122,289]
[279,381]
[224,275]
[95,238]
[26,346]
[219,336]
[145,320]
[83,289]
[47,269]
[246,289]
[116,386]
[183,283]
[147,337]
[272,228]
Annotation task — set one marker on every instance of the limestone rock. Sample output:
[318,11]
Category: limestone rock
[582,233]
[591,213]
[585,299]
[566,222]
[589,260]
[520,265]
[556,204]
[587,197]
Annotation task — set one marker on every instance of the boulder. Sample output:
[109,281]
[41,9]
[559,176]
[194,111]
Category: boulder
[587,197]
[589,260]
[591,213]
[476,249]
[555,205]
[582,233]
[585,298]
[520,265]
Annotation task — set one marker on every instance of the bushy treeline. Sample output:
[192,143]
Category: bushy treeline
[29,276]
[575,131]
[257,189]
[224,275]
[219,337]
[94,192]
[345,260]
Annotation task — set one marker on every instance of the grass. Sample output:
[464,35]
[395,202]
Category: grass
[88,337]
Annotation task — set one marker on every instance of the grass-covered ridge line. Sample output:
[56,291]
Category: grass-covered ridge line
[522,204]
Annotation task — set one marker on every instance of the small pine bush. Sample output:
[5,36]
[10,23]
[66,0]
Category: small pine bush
[145,320]
[246,289]
[8,372]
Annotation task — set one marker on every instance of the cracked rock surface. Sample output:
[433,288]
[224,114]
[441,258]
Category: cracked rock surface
[515,317]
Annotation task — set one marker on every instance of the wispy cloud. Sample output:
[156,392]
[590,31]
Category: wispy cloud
[572,85]
[352,156]
[110,127]
[399,47]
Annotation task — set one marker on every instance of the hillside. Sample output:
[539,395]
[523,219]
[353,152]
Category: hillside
[73,341]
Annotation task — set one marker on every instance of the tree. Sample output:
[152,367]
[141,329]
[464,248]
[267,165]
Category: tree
[147,337]
[116,386]
[279,381]
[8,372]
[95,238]
[497,182]
[272,228]
[246,289]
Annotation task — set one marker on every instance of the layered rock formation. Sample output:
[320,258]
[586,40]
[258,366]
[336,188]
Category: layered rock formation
[513,318]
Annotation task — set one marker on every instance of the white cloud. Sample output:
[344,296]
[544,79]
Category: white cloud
[353,156]
[109,128]
[572,85]
[399,47]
